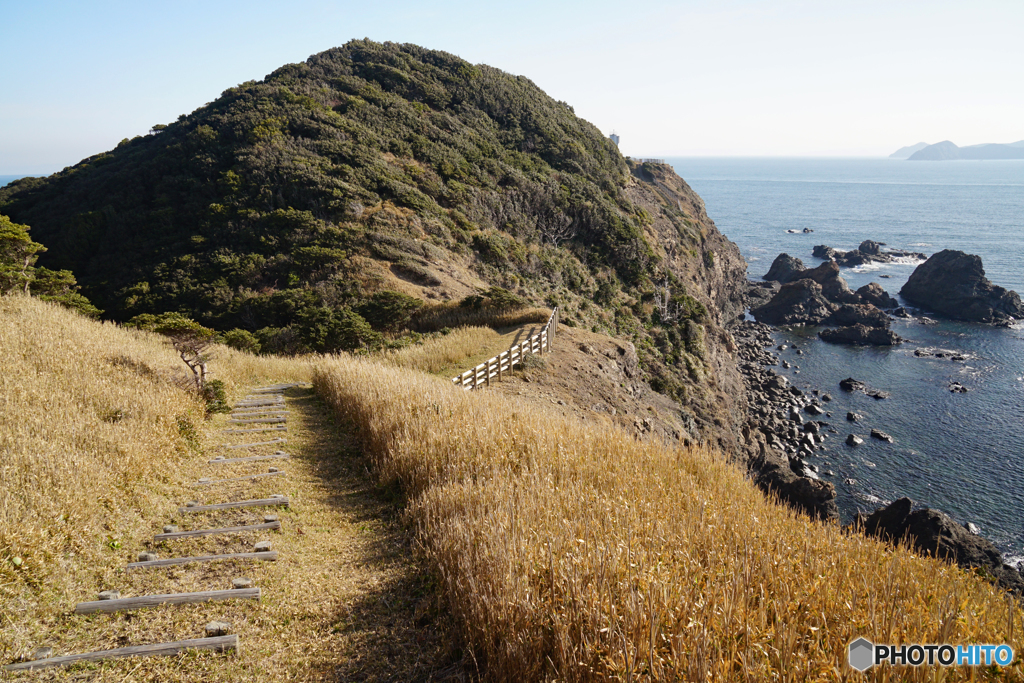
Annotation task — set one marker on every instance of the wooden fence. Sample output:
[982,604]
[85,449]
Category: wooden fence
[539,343]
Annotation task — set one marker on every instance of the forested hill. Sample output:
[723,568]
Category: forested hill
[268,187]
[385,168]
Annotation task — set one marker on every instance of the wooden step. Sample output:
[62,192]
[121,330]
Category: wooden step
[252,458]
[258,403]
[258,502]
[251,477]
[218,644]
[212,532]
[259,420]
[263,556]
[281,428]
[269,411]
[258,443]
[144,601]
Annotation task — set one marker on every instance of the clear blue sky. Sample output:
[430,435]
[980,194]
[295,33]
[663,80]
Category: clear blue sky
[778,78]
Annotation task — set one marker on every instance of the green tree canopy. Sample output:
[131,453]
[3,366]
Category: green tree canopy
[18,254]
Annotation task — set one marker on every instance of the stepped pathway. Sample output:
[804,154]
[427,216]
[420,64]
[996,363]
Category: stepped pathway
[287,564]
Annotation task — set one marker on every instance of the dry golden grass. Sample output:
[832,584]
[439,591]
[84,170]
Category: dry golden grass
[432,318]
[92,432]
[573,552]
[446,354]
[92,453]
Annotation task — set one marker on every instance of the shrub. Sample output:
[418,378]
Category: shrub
[216,397]
[242,340]
[389,310]
[326,330]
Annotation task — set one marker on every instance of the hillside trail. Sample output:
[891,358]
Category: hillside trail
[346,599]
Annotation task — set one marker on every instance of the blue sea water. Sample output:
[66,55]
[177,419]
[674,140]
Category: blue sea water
[961,453]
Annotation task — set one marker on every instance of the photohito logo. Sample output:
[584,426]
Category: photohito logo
[863,654]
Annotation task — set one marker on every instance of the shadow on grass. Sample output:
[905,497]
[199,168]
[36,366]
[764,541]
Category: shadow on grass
[398,628]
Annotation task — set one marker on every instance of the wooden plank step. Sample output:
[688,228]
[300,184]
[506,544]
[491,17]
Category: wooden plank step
[144,601]
[280,455]
[261,411]
[212,532]
[258,502]
[265,556]
[217,644]
[259,403]
[280,428]
[259,420]
[258,443]
[250,477]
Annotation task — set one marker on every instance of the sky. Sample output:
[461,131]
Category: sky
[682,78]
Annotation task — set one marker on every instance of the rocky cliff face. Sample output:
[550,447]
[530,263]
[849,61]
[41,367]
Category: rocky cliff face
[718,277]
[710,269]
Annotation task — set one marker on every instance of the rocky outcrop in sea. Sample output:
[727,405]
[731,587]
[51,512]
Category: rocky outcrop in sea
[869,251]
[820,296]
[934,533]
[953,283]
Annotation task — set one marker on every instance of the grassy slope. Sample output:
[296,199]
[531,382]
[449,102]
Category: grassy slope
[345,600]
[571,551]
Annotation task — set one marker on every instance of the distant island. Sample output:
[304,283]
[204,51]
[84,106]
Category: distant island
[946,150]
[905,152]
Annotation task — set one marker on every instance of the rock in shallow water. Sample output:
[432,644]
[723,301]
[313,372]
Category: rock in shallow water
[933,532]
[954,284]
[881,436]
[861,335]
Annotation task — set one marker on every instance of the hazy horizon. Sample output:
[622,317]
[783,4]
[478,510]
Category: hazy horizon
[727,79]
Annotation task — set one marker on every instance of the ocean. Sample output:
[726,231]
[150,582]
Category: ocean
[960,453]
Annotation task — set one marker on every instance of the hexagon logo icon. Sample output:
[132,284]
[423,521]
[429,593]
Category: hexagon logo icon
[861,654]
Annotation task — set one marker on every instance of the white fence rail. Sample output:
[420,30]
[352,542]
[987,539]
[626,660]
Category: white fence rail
[497,366]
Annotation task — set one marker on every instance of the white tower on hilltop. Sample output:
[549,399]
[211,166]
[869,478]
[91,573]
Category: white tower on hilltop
[614,137]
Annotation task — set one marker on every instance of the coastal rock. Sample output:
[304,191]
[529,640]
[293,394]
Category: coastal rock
[954,284]
[853,417]
[784,269]
[797,303]
[871,248]
[858,314]
[853,440]
[851,384]
[872,293]
[861,335]
[759,293]
[881,436]
[934,533]
[868,252]
[772,472]
[823,252]
[833,286]
[901,312]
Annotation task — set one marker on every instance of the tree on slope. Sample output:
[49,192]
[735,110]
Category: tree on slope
[18,271]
